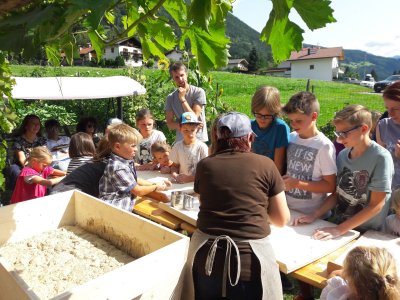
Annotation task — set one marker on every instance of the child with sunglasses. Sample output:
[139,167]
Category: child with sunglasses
[272,132]
[365,171]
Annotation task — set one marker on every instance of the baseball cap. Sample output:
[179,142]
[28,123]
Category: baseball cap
[238,123]
[189,118]
[113,121]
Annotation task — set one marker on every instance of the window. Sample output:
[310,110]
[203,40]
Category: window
[311,67]
[112,50]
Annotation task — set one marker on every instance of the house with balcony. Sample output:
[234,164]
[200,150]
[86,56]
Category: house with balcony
[130,49]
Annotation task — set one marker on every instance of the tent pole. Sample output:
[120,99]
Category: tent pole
[119,109]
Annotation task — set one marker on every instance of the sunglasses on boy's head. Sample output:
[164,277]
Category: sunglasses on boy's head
[263,117]
[344,134]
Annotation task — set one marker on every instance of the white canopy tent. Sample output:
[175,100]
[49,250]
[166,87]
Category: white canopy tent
[76,88]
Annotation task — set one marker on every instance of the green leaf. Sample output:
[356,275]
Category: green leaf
[200,13]
[53,54]
[315,13]
[110,17]
[160,32]
[97,43]
[283,36]
[219,10]
[210,47]
[129,19]
[177,10]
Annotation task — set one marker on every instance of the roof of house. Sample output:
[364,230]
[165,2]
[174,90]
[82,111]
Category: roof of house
[316,53]
[238,61]
[84,51]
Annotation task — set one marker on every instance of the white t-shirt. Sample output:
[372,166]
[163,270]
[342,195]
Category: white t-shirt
[336,289]
[144,149]
[61,153]
[309,159]
[187,156]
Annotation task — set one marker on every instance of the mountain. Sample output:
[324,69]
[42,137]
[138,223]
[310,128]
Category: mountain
[244,38]
[365,62]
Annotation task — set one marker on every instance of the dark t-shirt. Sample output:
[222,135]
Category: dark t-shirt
[86,178]
[234,189]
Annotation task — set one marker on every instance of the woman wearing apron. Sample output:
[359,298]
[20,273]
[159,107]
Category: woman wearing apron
[230,255]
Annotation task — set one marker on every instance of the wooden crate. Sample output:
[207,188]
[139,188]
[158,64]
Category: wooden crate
[161,253]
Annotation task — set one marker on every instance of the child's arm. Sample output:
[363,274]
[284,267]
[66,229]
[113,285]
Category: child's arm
[145,187]
[327,205]
[46,182]
[374,207]
[280,159]
[326,185]
[183,178]
[58,173]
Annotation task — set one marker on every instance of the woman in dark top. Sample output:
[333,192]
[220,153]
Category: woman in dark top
[28,137]
[240,194]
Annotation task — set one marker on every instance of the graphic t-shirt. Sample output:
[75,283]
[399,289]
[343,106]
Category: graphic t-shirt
[144,154]
[309,159]
[357,178]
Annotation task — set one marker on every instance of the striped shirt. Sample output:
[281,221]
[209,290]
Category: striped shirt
[118,180]
[77,162]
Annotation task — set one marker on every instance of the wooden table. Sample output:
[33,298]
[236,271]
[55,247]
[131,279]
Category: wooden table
[317,272]
[148,208]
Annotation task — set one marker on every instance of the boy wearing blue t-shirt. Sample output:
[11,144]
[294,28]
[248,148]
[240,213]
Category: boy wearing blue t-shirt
[272,132]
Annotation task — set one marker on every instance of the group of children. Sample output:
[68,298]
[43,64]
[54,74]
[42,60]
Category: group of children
[353,190]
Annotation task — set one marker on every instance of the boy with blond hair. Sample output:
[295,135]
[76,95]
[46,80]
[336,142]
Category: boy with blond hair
[311,167]
[365,171]
[119,184]
[186,153]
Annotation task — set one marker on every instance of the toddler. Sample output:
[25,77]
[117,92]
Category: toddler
[32,181]
[368,273]
[161,152]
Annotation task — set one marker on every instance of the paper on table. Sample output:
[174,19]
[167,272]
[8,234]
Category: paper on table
[294,246]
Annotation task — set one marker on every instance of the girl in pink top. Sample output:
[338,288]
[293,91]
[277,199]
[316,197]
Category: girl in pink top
[32,181]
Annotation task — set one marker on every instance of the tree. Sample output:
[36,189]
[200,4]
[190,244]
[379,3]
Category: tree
[27,25]
[253,60]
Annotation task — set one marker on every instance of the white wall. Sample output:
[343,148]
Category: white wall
[175,56]
[322,69]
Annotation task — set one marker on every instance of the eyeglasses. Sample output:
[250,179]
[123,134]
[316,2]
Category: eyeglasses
[344,134]
[263,117]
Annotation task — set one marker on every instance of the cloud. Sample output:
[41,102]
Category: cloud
[379,44]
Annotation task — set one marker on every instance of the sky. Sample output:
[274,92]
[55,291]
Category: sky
[368,25]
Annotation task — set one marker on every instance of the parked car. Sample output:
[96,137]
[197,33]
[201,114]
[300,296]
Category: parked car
[380,85]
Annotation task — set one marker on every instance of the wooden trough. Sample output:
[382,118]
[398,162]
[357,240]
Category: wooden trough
[161,253]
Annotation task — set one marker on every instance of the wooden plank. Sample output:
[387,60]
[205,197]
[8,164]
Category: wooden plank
[189,216]
[131,233]
[25,219]
[12,287]
[372,238]
[154,276]
[317,272]
[149,209]
[188,228]
[287,238]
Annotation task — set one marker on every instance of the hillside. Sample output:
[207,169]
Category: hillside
[244,37]
[383,66]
